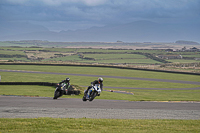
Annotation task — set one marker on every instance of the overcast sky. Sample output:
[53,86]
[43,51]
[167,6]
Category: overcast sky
[59,15]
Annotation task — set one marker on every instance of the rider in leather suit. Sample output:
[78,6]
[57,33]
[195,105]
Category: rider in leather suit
[66,81]
[99,81]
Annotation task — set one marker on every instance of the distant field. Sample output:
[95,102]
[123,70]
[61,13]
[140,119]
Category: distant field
[15,59]
[9,52]
[107,58]
[196,55]
[100,53]
[73,58]
[114,56]
[122,61]
[184,61]
[82,50]
[75,55]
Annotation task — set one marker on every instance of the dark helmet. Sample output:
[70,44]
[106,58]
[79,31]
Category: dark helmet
[100,79]
[67,79]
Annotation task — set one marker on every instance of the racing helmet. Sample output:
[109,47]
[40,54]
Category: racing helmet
[100,79]
[67,79]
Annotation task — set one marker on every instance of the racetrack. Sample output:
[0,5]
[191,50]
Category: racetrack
[34,107]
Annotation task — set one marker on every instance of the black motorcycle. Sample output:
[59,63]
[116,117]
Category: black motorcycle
[61,90]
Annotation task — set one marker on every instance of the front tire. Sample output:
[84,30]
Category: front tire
[84,97]
[56,94]
[93,95]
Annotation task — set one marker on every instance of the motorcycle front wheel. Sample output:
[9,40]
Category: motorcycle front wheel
[92,96]
[84,97]
[56,94]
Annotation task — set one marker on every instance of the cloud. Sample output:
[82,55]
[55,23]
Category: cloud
[55,2]
[13,1]
[92,2]
[98,12]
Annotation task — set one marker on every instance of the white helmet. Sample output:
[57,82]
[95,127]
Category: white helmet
[100,79]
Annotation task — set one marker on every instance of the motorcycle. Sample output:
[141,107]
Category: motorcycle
[92,93]
[60,90]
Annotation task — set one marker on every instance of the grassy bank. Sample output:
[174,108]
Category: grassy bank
[103,71]
[139,95]
[85,125]
[86,80]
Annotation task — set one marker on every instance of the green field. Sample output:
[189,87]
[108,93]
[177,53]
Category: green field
[85,125]
[114,56]
[7,52]
[185,61]
[72,58]
[103,71]
[122,61]
[139,94]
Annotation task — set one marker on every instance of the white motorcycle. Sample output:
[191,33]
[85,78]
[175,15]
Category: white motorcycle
[92,93]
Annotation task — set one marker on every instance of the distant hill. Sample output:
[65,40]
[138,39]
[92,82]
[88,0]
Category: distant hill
[187,42]
[18,28]
[139,31]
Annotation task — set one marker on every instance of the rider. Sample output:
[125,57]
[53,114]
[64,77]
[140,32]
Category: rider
[66,81]
[99,81]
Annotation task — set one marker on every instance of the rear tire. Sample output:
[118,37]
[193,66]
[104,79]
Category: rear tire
[66,92]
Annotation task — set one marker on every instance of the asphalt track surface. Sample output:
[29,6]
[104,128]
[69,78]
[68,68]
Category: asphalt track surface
[34,107]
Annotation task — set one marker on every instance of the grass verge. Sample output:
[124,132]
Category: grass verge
[85,125]
[86,80]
